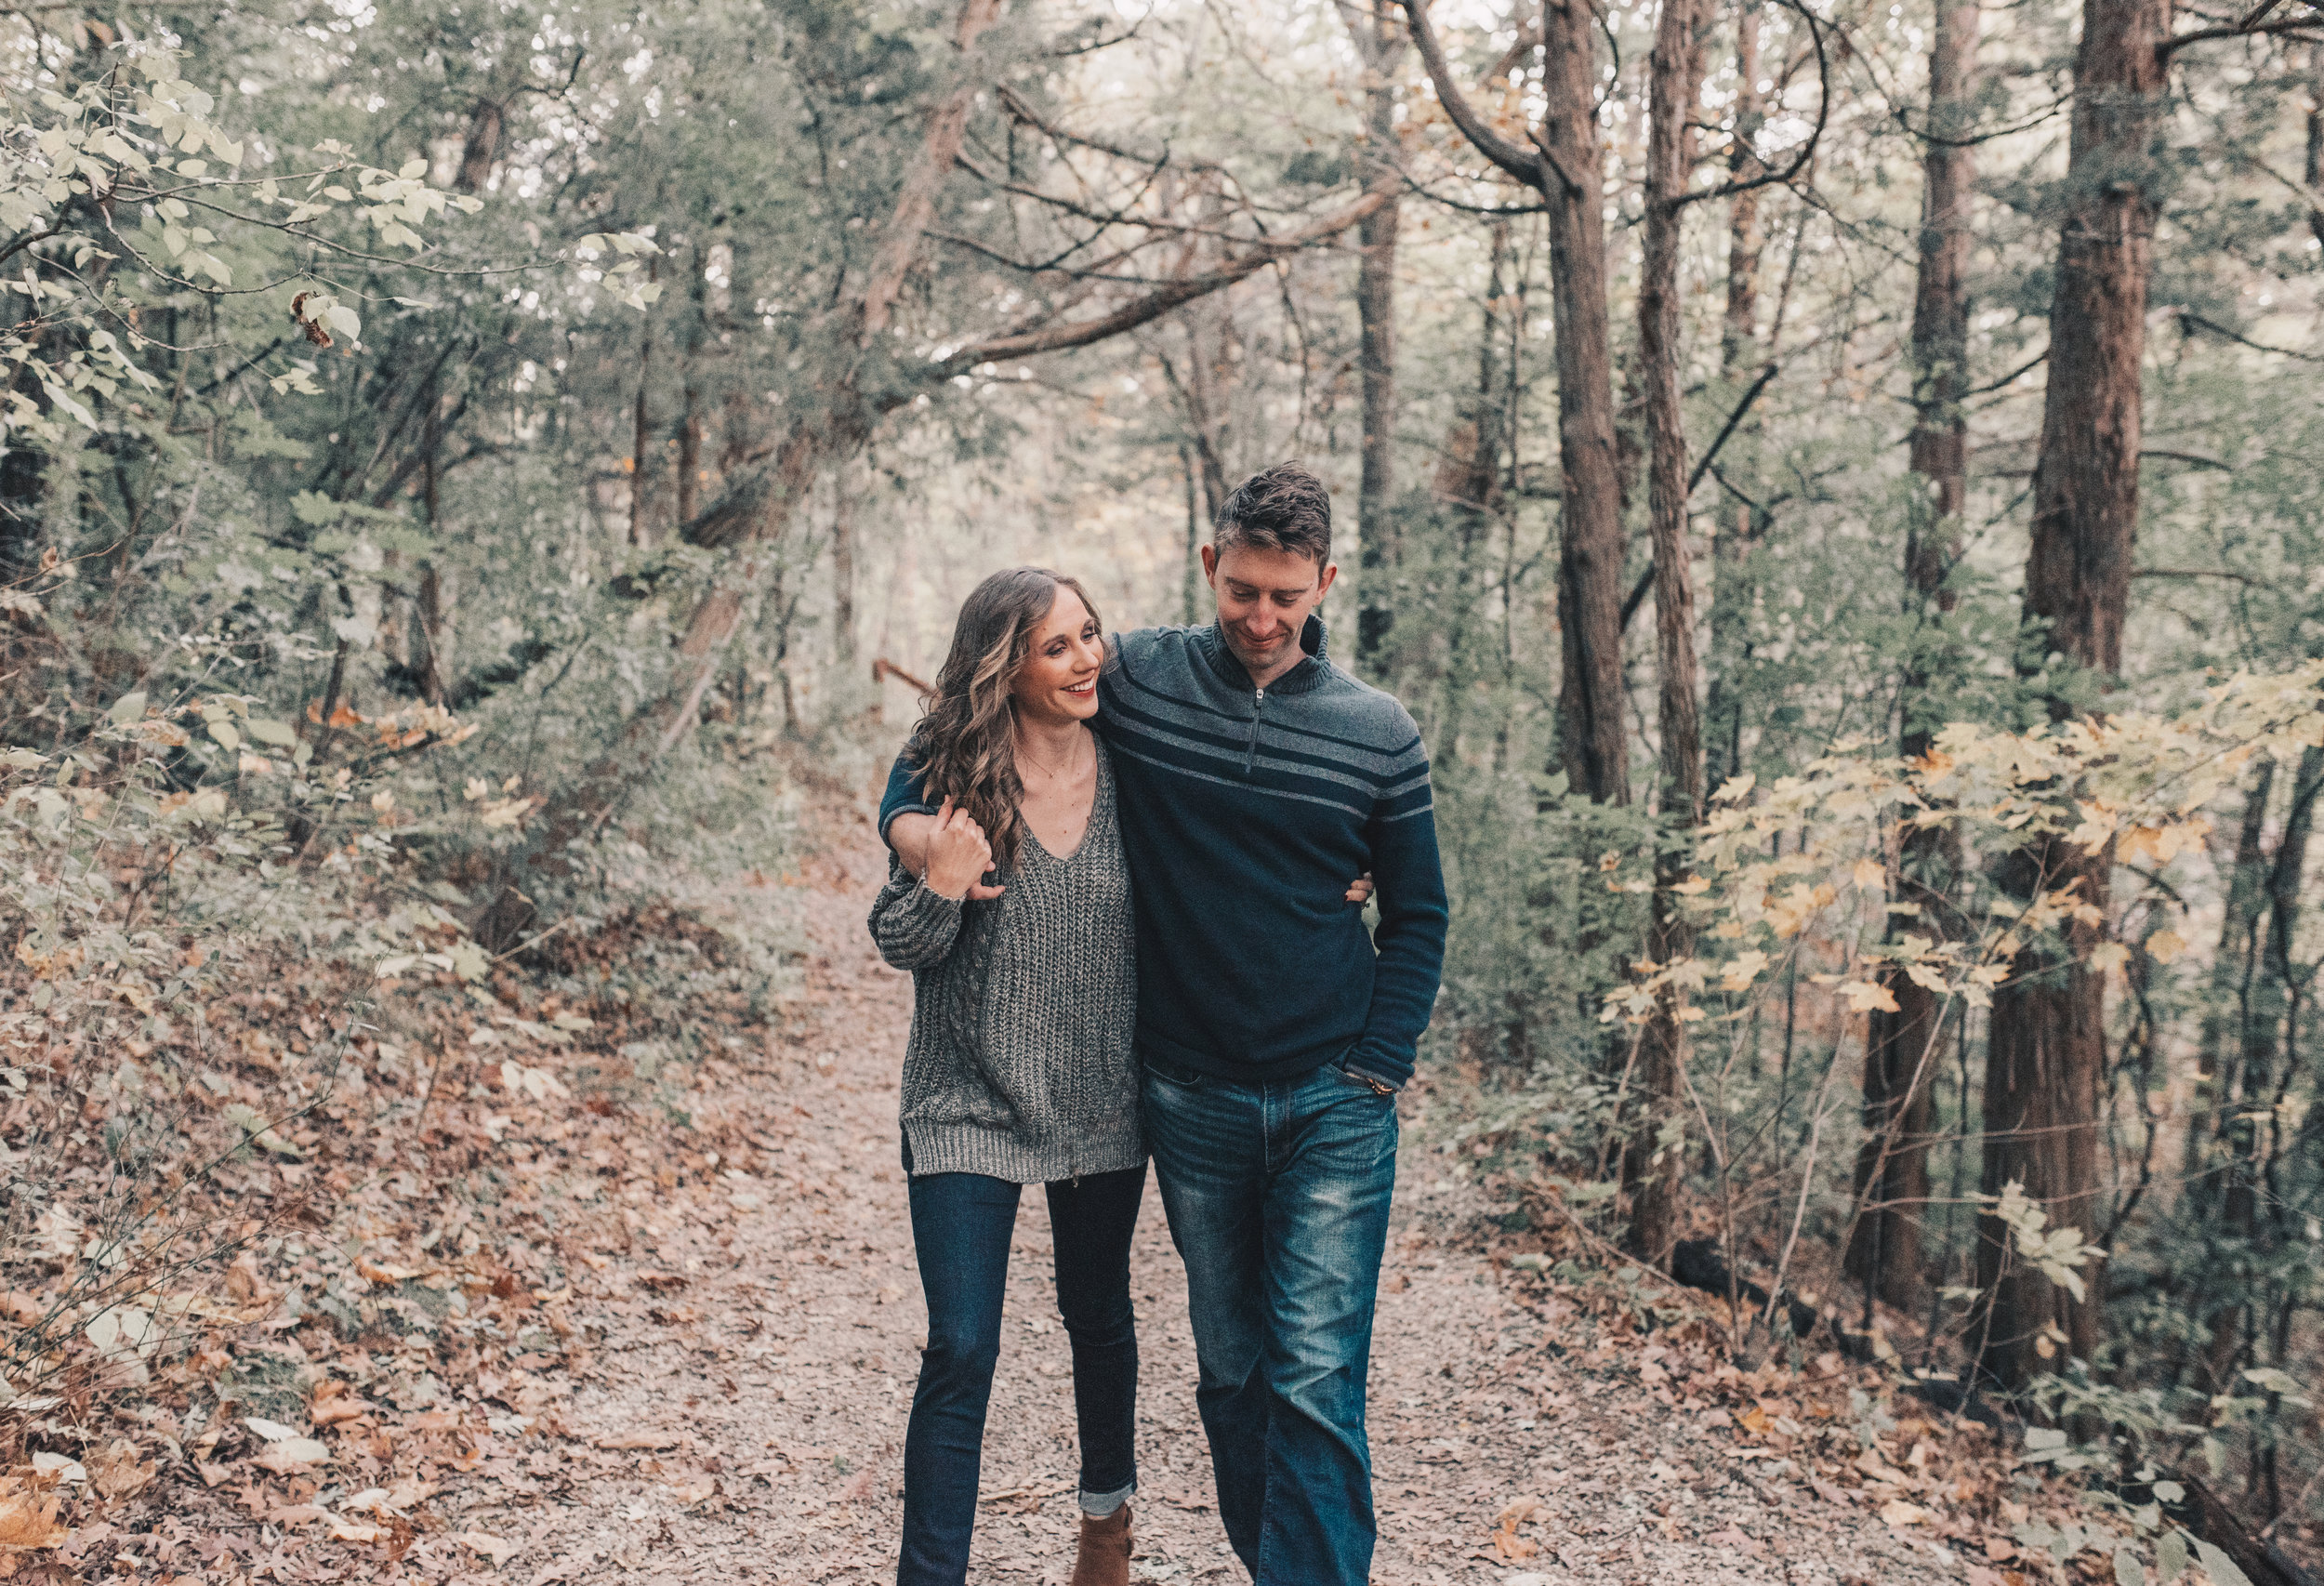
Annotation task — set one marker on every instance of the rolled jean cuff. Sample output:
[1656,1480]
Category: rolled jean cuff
[1098,1505]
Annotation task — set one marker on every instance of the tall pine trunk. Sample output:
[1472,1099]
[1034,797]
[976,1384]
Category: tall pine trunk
[2046,1059]
[1892,1175]
[1377,46]
[1737,530]
[1563,162]
[1595,747]
[1651,1163]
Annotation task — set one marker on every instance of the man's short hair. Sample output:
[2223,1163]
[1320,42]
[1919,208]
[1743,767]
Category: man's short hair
[1283,508]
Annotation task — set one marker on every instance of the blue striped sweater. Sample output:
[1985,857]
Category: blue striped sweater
[1244,812]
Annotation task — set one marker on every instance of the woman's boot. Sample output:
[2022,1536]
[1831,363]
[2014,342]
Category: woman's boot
[1103,1559]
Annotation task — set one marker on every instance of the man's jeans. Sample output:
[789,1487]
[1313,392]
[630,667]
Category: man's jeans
[1277,1196]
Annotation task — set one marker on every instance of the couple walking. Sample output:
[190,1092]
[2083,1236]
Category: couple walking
[1170,957]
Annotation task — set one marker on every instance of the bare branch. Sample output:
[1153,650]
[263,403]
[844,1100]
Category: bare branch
[1026,342]
[1523,163]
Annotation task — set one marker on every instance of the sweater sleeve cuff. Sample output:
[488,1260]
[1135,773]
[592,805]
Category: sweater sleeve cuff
[1380,1068]
[909,807]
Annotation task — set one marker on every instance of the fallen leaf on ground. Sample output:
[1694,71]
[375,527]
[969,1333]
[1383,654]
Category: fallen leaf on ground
[493,1548]
[292,1454]
[1896,1512]
[634,1440]
[27,1520]
[297,1514]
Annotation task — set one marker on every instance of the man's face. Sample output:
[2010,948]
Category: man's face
[1264,599]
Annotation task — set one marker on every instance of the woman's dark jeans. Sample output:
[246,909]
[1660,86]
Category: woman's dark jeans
[961,1224]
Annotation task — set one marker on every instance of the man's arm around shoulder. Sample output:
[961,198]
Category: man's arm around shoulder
[1411,938]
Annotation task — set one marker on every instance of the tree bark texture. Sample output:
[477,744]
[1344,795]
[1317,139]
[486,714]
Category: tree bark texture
[2316,140]
[845,484]
[2046,1058]
[1738,529]
[1381,552]
[1892,1174]
[1596,748]
[1565,166]
[1650,1166]
[2248,1132]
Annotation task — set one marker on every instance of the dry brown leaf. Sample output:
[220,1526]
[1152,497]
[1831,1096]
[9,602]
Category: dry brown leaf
[28,1519]
[332,1411]
[292,1455]
[1896,1512]
[244,1282]
[297,1514]
[357,1531]
[118,1472]
[500,1551]
[638,1440]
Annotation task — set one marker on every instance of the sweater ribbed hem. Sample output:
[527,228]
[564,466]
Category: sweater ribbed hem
[996,1154]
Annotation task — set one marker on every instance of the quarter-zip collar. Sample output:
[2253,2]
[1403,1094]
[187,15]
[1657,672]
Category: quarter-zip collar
[1311,673]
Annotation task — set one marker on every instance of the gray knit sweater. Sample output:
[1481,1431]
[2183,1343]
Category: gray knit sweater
[1020,1065]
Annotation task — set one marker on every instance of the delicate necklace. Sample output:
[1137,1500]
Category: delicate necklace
[1050,771]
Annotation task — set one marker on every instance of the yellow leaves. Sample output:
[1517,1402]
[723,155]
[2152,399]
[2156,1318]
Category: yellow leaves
[2107,956]
[1743,969]
[1789,914]
[1868,873]
[1865,995]
[2164,945]
[509,814]
[1693,886]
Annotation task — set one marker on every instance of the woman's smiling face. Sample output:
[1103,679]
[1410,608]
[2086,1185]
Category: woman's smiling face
[1059,680]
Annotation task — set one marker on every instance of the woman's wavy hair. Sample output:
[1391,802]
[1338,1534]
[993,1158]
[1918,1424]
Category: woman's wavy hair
[965,746]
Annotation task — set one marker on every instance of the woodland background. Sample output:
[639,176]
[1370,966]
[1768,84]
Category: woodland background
[1841,485]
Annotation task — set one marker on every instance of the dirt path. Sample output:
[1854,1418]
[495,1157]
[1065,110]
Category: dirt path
[742,1417]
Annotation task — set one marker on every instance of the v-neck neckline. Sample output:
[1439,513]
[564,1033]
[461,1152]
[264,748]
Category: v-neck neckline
[1097,793]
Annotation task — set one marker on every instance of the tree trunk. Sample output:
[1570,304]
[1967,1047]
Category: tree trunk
[843,572]
[1190,592]
[1382,551]
[1737,530]
[1652,1162]
[484,120]
[1596,748]
[641,441]
[1468,487]
[1892,1175]
[2246,1137]
[2047,1055]
[1564,164]
[2316,140]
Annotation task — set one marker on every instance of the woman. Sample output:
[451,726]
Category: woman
[1019,1069]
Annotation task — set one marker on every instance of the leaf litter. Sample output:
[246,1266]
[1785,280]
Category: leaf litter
[517,1309]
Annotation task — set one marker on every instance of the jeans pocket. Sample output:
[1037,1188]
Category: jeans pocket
[1172,1074]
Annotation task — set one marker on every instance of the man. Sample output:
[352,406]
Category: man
[1253,778]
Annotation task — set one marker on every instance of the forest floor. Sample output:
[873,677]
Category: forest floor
[697,1366]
